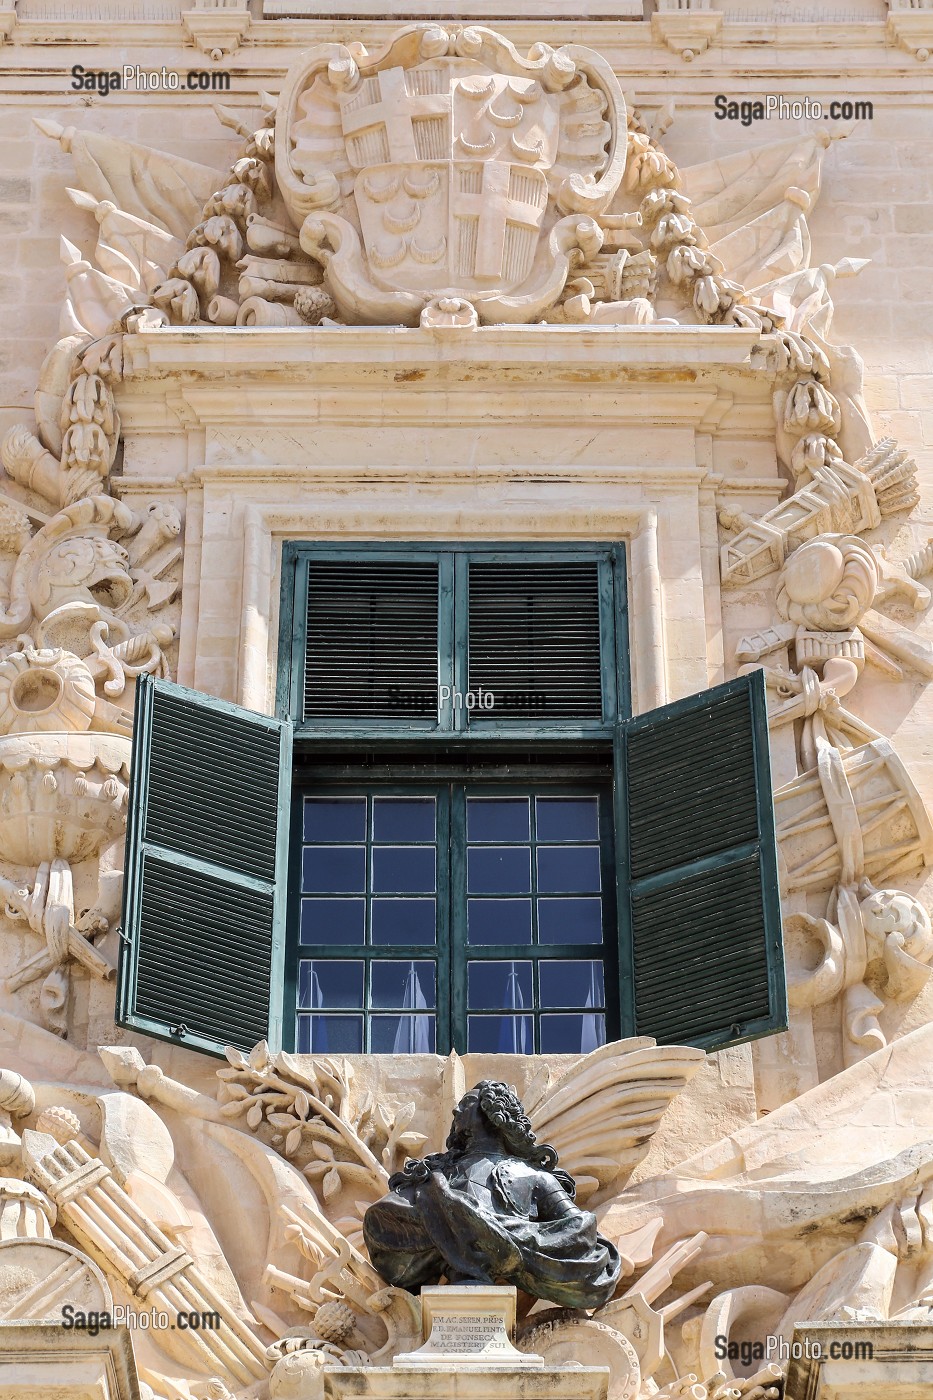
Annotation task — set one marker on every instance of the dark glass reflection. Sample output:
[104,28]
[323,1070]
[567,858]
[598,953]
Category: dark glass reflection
[567,818]
[403,985]
[499,870]
[333,870]
[401,921]
[568,869]
[322,1035]
[502,984]
[498,921]
[403,869]
[570,921]
[333,921]
[403,819]
[572,1035]
[498,819]
[572,983]
[327,983]
[335,819]
[500,1035]
[403,1035]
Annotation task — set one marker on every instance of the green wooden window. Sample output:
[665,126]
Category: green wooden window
[467,914]
[391,919]
[451,639]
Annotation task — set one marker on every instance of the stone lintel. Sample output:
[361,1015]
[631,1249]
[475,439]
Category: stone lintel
[41,1359]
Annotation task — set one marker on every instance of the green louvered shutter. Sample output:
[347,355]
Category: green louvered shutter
[700,919]
[202,948]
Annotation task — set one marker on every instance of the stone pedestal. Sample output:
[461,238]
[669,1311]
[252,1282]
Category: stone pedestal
[471,1327]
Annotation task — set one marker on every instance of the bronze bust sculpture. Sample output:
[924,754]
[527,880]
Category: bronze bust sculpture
[493,1208]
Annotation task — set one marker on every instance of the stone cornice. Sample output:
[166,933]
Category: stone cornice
[763,48]
[675,376]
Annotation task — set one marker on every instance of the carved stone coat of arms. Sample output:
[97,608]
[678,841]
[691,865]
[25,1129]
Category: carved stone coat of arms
[449,166]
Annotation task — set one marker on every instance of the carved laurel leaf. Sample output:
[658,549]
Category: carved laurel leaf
[254,1117]
[236,1057]
[302,1104]
[410,1142]
[293,1141]
[322,1150]
[331,1184]
[285,1121]
[259,1056]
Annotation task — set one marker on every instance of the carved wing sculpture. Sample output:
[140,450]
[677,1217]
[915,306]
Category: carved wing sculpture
[602,1112]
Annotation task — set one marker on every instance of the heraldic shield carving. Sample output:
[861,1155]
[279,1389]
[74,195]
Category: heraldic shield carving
[449,166]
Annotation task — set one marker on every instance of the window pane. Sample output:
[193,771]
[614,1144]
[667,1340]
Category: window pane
[326,983]
[335,819]
[403,818]
[333,921]
[502,1035]
[401,921]
[571,983]
[503,984]
[570,921]
[403,985]
[403,1035]
[319,1035]
[572,1035]
[333,869]
[502,870]
[498,819]
[567,818]
[568,869]
[403,869]
[498,920]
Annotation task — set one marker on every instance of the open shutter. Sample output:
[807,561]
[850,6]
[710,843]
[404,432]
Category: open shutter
[202,949]
[700,920]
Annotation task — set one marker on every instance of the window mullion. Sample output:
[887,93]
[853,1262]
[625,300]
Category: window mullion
[456,979]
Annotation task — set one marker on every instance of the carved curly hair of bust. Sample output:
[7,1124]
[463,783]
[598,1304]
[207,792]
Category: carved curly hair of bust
[503,1110]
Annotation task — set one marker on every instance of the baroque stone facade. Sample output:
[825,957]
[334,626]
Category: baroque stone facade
[435,281]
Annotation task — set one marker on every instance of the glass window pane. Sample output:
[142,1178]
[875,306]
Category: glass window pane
[570,921]
[503,984]
[321,1035]
[567,818]
[498,819]
[401,921]
[568,869]
[403,869]
[499,870]
[333,869]
[335,819]
[571,983]
[404,985]
[498,920]
[500,1035]
[333,921]
[325,982]
[403,818]
[572,1035]
[403,1035]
